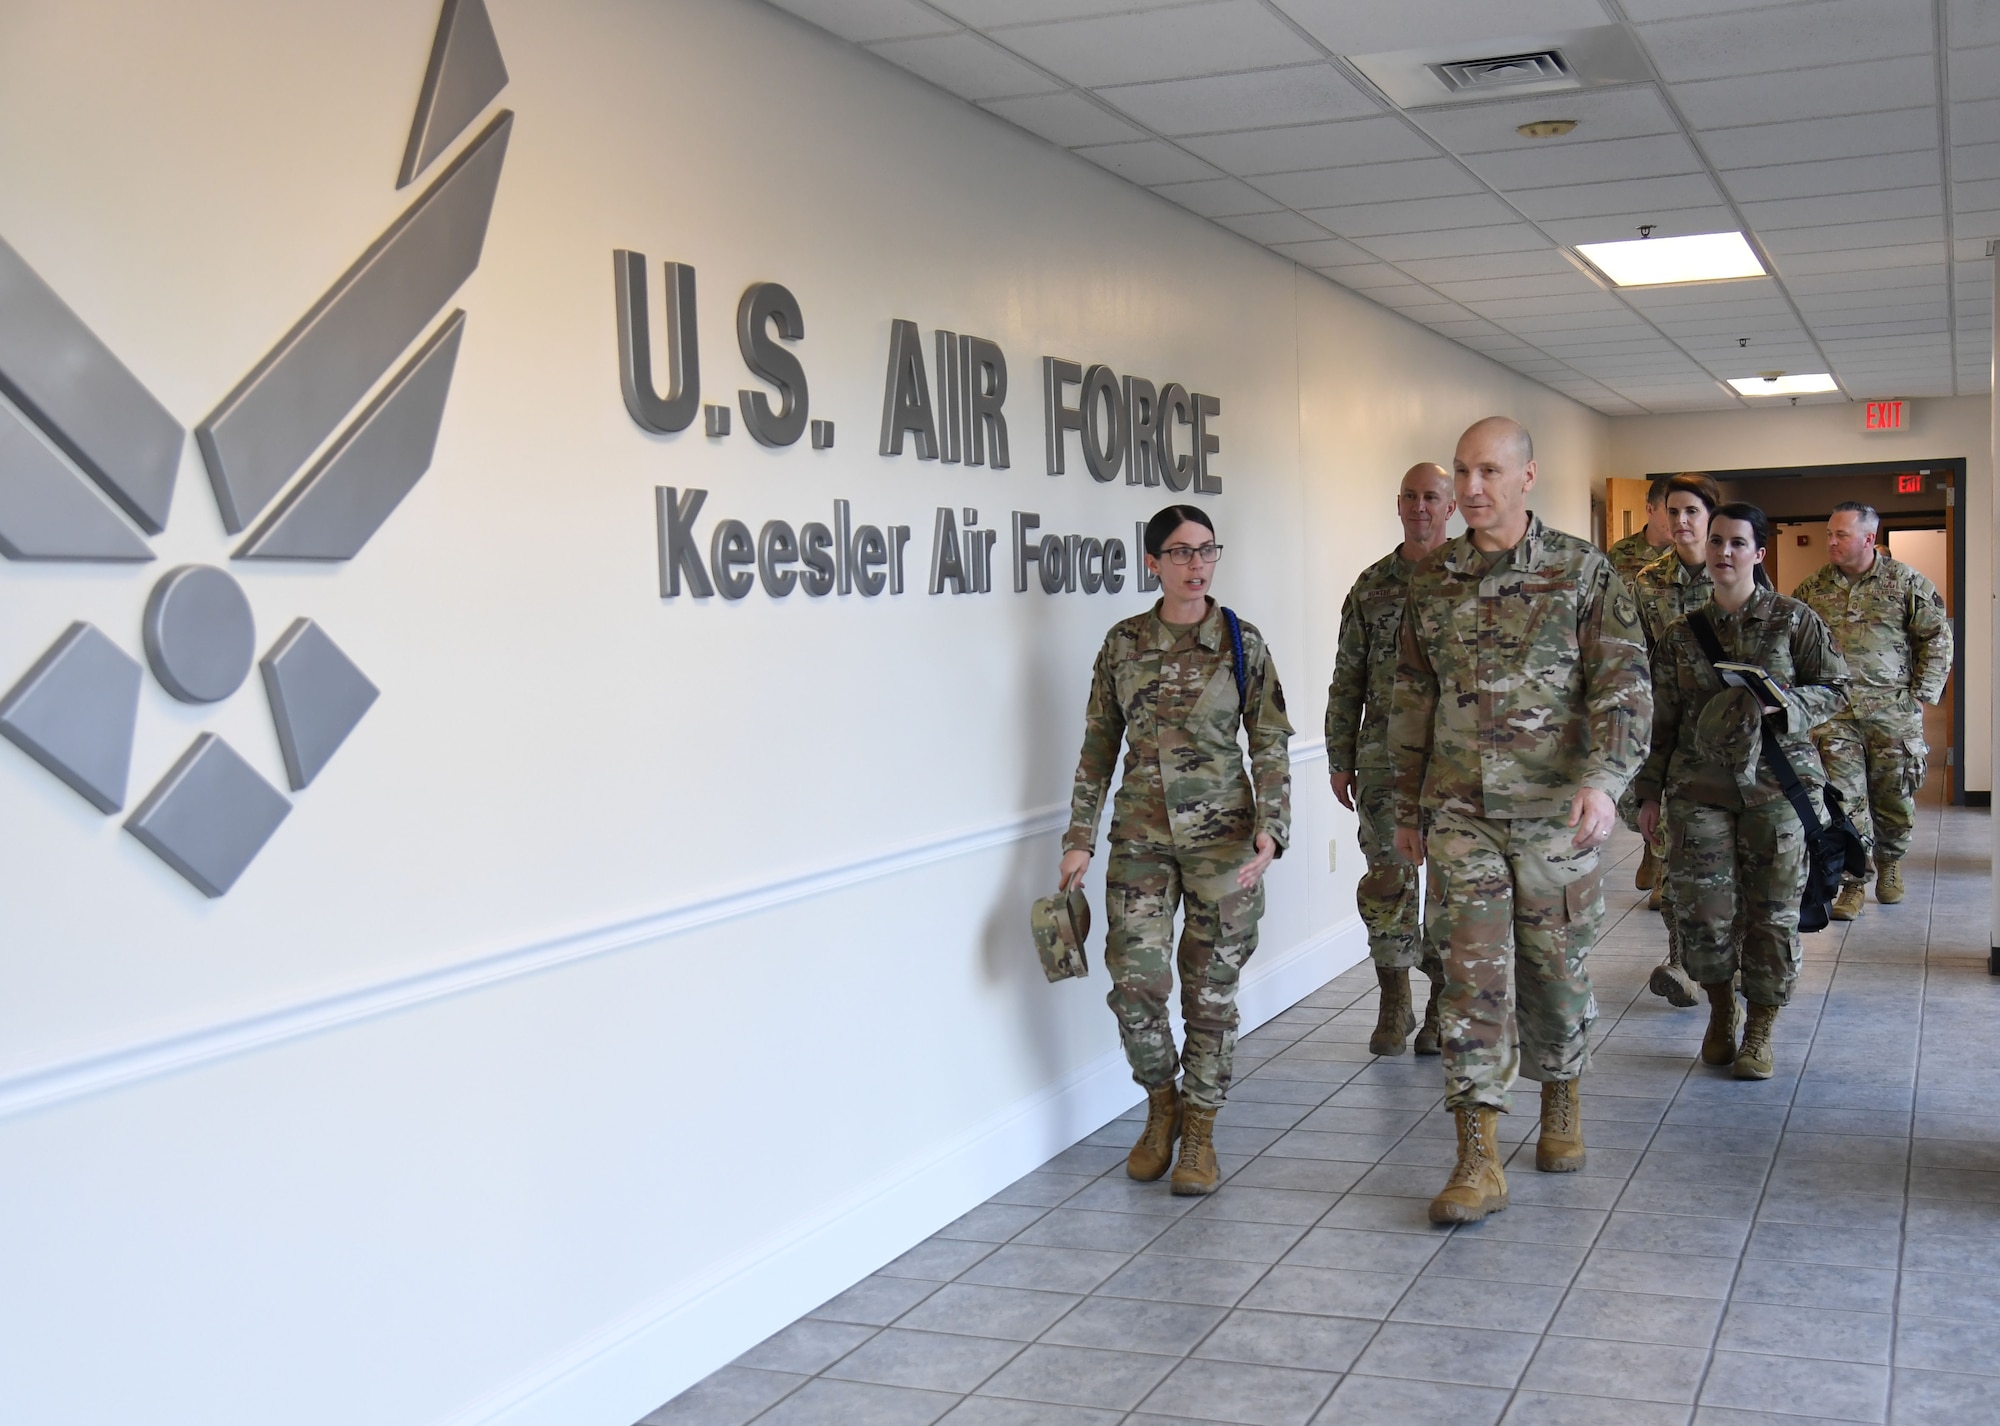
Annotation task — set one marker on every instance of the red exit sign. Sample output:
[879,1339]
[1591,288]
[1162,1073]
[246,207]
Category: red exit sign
[1909,485]
[1887,416]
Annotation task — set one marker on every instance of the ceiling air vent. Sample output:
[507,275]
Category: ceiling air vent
[1480,75]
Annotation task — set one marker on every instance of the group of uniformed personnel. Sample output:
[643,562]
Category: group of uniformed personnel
[1499,700]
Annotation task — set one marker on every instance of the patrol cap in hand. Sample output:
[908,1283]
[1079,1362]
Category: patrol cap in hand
[1728,734]
[1061,924]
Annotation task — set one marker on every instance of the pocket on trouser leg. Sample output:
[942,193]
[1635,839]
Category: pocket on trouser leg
[1554,1007]
[1701,874]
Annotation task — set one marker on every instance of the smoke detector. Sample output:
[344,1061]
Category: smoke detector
[1511,68]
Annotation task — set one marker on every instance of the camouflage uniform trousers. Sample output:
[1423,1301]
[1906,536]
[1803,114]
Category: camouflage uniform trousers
[1526,907]
[1387,895]
[1628,813]
[1738,876]
[1143,885]
[1878,764]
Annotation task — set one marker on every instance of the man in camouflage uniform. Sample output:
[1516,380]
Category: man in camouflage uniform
[1892,628]
[1188,830]
[1665,590]
[1646,544]
[1357,755]
[1521,709]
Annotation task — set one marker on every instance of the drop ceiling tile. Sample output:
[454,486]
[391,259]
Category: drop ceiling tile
[1592,200]
[865,20]
[1888,279]
[1645,12]
[1858,87]
[1216,197]
[1413,215]
[1974,73]
[1148,162]
[1790,38]
[1850,258]
[1665,222]
[1561,162]
[1540,263]
[1742,294]
[1531,326]
[1600,114]
[1191,40]
[1929,302]
[1456,242]
[1972,22]
[1295,147]
[1273,227]
[1980,197]
[1347,27]
[1066,119]
[986,14]
[1480,289]
[966,65]
[1586,350]
[1870,173]
[1325,252]
[1464,325]
[1500,309]
[1832,333]
[1407,292]
[1806,140]
[1875,236]
[1883,205]
[1429,313]
[1975,161]
[1975,123]
[1372,274]
[1301,95]
[1369,183]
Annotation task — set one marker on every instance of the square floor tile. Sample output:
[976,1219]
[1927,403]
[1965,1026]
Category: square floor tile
[1088,1228]
[937,1259]
[805,1347]
[995,1411]
[1243,1393]
[876,1301]
[1387,1401]
[1807,1332]
[1665,1274]
[1288,1339]
[1843,1390]
[1844,1289]
[1641,1371]
[1497,1260]
[1638,1317]
[1157,1277]
[1446,1301]
[971,1310]
[1365,1250]
[1465,1355]
[1051,1269]
[842,1403]
[1545,1408]
[729,1397]
[1079,1376]
[1125,1324]
[933,1361]
[1926,1398]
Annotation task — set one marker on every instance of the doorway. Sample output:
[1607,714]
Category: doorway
[1918,502]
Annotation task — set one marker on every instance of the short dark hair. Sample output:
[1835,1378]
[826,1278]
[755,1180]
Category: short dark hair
[1657,491]
[1760,529]
[1171,519]
[1871,518]
[1698,484]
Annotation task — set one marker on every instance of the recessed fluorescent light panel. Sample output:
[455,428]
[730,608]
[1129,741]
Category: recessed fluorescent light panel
[1652,262]
[1803,385]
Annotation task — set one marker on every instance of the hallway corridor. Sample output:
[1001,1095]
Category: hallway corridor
[1824,1246]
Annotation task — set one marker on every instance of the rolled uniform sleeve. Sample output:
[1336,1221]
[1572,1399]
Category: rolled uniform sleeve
[1103,731]
[1618,685]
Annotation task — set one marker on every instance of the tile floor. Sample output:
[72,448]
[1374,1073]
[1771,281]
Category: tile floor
[1824,1246]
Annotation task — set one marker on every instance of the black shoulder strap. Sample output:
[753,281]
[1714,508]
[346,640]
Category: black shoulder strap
[1781,766]
[1236,655]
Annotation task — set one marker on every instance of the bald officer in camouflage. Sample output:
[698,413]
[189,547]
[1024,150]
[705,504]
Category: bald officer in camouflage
[1522,708]
[1357,755]
[1649,541]
[1894,633]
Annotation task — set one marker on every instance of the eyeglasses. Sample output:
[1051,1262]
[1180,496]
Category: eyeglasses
[1188,554]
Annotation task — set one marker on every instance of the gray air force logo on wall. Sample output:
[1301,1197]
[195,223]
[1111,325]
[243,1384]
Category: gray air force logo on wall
[88,460]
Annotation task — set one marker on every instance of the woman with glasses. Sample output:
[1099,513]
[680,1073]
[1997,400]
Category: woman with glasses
[1189,829]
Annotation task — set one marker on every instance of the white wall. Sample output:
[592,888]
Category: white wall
[1942,428]
[641,972]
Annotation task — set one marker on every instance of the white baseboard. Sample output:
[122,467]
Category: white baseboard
[630,1366]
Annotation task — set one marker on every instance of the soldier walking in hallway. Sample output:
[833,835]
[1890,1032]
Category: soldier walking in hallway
[1522,707]
[1357,755]
[1628,556]
[1737,857]
[1665,590]
[1189,830]
[1890,624]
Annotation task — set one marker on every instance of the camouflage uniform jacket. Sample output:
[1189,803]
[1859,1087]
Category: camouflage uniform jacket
[1632,554]
[1170,697]
[1521,679]
[1364,671]
[1891,627]
[1667,589]
[1779,635]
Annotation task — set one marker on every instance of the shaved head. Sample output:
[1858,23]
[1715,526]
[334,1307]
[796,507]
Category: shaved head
[1495,427]
[1425,470]
[1424,504]
[1493,470]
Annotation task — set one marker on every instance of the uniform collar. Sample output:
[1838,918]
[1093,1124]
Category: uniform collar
[1208,633]
[1877,568]
[1461,556]
[1761,606]
[1696,575]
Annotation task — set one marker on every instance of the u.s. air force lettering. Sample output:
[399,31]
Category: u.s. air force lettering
[943,400]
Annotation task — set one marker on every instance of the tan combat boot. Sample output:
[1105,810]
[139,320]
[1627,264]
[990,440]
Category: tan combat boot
[1153,1155]
[1659,890]
[1648,875]
[1718,1046]
[1393,1018]
[1197,1172]
[1889,883]
[1853,896]
[1430,1035]
[1477,1185]
[1670,981]
[1560,1148]
[1753,1061]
